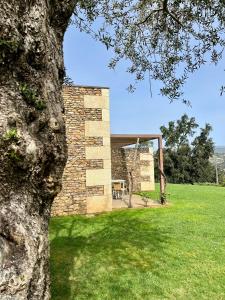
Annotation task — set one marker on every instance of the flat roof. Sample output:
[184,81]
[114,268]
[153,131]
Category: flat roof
[86,86]
[121,140]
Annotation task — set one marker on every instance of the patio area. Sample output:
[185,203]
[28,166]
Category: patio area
[137,202]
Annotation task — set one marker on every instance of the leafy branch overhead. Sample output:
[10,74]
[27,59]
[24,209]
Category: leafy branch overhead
[166,39]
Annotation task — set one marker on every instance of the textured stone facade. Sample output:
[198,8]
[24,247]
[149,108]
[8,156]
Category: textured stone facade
[87,175]
[143,174]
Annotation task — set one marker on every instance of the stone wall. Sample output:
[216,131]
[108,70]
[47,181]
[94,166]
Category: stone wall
[98,156]
[87,175]
[122,162]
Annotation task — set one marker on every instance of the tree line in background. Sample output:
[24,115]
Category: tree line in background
[186,153]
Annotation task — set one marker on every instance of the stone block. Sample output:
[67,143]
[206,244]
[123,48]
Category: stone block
[107,164]
[145,156]
[105,92]
[97,128]
[105,115]
[98,177]
[108,190]
[98,152]
[96,204]
[145,170]
[147,186]
[96,101]
[106,141]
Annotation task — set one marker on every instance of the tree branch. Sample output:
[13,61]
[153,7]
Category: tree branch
[149,16]
[163,9]
[61,11]
[166,10]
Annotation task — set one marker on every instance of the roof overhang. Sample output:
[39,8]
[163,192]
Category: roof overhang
[122,140]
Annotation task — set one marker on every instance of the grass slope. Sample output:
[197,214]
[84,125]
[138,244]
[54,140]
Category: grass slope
[175,252]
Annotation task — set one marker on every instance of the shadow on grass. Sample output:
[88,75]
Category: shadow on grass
[87,254]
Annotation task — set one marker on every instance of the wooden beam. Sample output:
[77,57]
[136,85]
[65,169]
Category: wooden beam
[120,140]
[161,170]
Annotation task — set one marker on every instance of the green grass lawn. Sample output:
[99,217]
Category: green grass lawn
[175,252]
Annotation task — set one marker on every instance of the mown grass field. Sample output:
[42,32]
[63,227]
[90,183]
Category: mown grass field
[175,252]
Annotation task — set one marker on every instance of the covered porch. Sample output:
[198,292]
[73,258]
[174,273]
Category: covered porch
[131,152]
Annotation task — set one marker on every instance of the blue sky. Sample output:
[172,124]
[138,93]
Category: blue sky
[86,61]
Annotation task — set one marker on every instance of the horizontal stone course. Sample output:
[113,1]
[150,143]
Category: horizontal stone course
[93,114]
[94,141]
[94,164]
[97,190]
[75,91]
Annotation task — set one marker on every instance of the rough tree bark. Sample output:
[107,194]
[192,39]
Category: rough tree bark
[32,139]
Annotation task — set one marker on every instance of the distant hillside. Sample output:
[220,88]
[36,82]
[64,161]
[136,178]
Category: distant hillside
[219,157]
[220,149]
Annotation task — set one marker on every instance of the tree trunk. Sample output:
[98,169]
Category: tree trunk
[32,139]
[130,174]
[131,187]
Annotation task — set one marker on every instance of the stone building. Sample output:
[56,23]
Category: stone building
[95,157]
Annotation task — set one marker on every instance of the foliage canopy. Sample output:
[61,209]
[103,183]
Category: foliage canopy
[187,154]
[168,40]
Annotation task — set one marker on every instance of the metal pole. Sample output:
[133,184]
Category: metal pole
[162,180]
